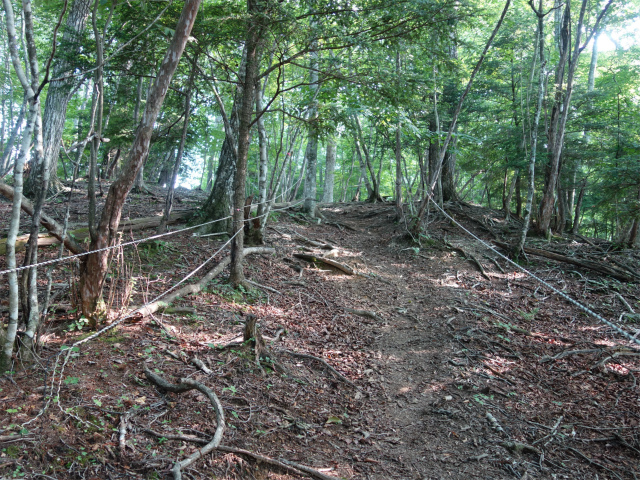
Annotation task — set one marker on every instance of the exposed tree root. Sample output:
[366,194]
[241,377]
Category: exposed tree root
[324,362]
[285,465]
[185,385]
[151,308]
[314,258]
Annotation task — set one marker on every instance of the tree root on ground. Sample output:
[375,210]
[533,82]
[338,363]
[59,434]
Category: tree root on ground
[285,465]
[147,310]
[314,258]
[185,385]
[324,362]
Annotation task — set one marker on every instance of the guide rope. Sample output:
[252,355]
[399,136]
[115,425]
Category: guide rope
[73,347]
[622,332]
[135,242]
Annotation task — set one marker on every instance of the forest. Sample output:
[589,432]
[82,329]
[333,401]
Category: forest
[372,239]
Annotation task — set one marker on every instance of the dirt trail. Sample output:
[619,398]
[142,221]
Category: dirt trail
[425,431]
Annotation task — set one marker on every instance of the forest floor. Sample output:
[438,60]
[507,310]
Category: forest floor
[444,372]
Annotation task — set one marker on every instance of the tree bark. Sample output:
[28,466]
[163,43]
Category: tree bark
[94,267]
[162,228]
[311,155]
[248,84]
[58,95]
[561,106]
[534,130]
[330,166]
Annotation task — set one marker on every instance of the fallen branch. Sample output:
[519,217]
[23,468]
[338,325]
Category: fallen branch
[314,258]
[151,308]
[81,234]
[313,243]
[14,438]
[47,222]
[264,287]
[364,313]
[124,420]
[185,385]
[588,264]
[324,362]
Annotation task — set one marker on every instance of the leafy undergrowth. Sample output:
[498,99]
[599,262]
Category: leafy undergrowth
[453,376]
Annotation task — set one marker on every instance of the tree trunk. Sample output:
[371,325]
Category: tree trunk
[441,154]
[576,217]
[58,96]
[12,328]
[561,106]
[311,155]
[534,132]
[248,83]
[162,228]
[218,204]
[94,266]
[374,186]
[330,166]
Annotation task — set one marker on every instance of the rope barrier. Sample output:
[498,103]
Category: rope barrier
[134,242]
[625,334]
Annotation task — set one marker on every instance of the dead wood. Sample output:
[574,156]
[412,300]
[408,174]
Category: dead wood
[314,243]
[151,308]
[342,226]
[81,234]
[252,336]
[364,313]
[264,287]
[588,264]
[314,258]
[615,352]
[520,447]
[47,222]
[178,310]
[200,364]
[124,422]
[469,257]
[14,438]
[285,465]
[185,385]
[317,359]
[614,260]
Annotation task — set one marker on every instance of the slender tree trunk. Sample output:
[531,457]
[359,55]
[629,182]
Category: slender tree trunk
[31,258]
[218,205]
[437,174]
[562,103]
[248,84]
[162,228]
[59,93]
[330,166]
[534,132]
[346,184]
[633,234]
[576,217]
[363,171]
[311,155]
[94,266]
[374,193]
